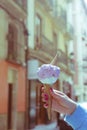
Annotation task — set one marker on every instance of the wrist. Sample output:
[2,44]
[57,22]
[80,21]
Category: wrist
[73,107]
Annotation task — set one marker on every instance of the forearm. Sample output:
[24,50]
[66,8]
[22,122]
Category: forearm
[78,119]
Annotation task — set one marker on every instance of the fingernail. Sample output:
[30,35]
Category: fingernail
[42,86]
[46,98]
[46,105]
[45,95]
[51,89]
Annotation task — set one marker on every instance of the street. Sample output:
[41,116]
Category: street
[52,126]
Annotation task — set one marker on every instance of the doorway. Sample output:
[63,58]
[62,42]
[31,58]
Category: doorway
[12,100]
[10,89]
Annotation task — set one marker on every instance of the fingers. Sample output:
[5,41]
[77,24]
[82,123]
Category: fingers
[45,98]
[42,89]
[55,94]
[60,102]
[46,105]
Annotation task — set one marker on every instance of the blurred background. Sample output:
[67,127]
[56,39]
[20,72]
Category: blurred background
[31,33]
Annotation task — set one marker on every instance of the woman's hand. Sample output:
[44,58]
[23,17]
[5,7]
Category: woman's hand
[60,102]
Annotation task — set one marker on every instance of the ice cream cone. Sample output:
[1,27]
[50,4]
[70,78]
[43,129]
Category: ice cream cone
[48,75]
[47,88]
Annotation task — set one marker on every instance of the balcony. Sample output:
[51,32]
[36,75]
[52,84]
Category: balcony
[85,69]
[62,58]
[61,18]
[48,4]
[57,12]
[48,46]
[84,66]
[71,65]
[22,4]
[15,8]
[44,50]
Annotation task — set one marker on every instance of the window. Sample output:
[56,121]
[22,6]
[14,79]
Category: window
[55,40]
[38,30]
[12,41]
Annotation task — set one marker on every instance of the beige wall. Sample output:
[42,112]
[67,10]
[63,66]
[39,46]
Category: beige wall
[3,33]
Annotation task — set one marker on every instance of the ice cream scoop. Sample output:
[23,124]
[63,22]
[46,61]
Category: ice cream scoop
[48,75]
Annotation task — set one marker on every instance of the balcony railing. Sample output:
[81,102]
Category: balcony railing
[71,64]
[62,57]
[22,4]
[48,4]
[61,18]
[48,46]
[57,12]
[84,67]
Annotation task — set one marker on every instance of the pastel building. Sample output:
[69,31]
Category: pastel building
[80,49]
[13,15]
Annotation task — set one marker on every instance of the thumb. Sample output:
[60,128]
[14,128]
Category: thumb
[54,95]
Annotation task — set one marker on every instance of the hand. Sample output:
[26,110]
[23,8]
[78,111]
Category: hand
[60,102]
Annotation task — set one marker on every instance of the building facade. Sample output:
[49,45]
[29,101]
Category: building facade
[13,15]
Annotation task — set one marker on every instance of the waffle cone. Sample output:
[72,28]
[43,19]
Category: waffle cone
[47,90]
